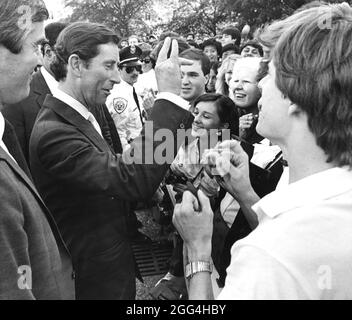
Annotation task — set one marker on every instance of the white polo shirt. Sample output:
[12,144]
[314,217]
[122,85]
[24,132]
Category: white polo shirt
[302,248]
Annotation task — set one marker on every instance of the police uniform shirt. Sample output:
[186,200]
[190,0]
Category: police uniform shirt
[125,113]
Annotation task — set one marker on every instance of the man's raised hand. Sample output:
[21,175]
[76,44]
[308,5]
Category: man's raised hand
[168,72]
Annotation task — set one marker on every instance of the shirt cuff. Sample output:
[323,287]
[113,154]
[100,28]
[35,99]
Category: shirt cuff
[174,99]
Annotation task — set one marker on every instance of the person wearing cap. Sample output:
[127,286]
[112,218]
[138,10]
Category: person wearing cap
[124,105]
[252,48]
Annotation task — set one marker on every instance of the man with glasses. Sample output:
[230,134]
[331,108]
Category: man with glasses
[125,107]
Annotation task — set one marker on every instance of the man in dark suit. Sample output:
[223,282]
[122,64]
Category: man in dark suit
[35,263]
[87,187]
[22,115]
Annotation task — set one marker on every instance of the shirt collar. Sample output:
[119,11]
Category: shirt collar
[73,103]
[49,79]
[313,189]
[2,126]
[126,85]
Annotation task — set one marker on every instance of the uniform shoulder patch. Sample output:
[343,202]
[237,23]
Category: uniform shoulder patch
[120,104]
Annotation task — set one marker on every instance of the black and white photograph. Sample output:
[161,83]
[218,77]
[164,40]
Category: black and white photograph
[155,150]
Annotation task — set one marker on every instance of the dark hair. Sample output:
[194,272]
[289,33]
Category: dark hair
[254,44]
[230,47]
[215,66]
[52,32]
[212,43]
[234,33]
[14,23]
[170,34]
[226,108]
[198,55]
[83,39]
[194,44]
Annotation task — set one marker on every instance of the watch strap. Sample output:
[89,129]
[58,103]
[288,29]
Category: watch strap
[198,266]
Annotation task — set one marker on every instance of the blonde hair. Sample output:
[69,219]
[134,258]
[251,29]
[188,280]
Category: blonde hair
[221,86]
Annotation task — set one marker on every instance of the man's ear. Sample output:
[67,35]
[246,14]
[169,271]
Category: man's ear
[48,52]
[75,64]
[207,77]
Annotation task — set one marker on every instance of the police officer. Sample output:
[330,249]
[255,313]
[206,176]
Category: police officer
[124,105]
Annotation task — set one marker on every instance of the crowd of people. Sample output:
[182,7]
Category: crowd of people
[243,143]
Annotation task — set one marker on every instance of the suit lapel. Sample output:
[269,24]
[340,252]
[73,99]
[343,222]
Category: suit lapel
[20,173]
[15,167]
[73,117]
[40,88]
[12,144]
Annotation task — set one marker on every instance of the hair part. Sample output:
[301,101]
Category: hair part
[82,39]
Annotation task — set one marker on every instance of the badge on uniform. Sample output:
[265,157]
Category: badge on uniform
[120,104]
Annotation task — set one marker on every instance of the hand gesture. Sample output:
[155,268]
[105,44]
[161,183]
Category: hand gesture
[229,163]
[193,219]
[148,101]
[167,70]
[246,121]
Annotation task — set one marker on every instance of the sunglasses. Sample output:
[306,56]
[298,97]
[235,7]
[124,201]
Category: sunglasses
[146,60]
[130,69]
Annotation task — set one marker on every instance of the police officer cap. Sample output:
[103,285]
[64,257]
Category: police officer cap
[130,56]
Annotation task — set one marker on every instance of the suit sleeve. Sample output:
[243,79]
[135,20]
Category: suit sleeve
[69,156]
[13,243]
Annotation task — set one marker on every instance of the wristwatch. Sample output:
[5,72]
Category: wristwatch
[198,266]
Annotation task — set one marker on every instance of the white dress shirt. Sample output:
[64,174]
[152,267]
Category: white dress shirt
[302,247]
[49,79]
[80,108]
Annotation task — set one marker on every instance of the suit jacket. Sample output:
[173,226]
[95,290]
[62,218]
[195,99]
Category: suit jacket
[22,115]
[108,128]
[29,237]
[88,189]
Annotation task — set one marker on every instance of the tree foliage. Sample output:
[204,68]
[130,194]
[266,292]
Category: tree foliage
[208,15]
[199,15]
[124,16]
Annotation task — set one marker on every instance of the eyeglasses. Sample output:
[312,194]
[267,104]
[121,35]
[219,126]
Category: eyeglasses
[146,60]
[130,69]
